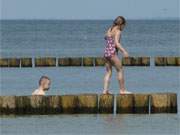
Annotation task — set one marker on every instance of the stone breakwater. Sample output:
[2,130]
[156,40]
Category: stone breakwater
[89,104]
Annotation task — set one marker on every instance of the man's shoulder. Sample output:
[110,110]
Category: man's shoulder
[35,92]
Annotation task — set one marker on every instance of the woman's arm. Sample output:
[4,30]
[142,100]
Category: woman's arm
[118,44]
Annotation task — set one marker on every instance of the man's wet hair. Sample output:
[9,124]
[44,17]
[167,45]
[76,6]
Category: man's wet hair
[42,78]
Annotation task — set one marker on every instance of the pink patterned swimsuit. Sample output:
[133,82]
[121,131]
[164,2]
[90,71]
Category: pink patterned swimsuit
[110,49]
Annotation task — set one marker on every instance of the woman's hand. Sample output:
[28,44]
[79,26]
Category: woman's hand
[125,54]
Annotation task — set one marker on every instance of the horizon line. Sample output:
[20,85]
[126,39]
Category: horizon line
[86,19]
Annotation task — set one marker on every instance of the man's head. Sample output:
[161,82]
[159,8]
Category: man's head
[44,82]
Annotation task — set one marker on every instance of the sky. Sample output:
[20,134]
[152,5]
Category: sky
[89,9]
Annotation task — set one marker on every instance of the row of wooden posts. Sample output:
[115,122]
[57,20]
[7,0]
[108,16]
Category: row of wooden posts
[85,61]
[89,103]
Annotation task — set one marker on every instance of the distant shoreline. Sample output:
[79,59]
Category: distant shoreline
[147,19]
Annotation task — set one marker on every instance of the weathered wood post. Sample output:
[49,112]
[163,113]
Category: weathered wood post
[87,103]
[160,61]
[54,104]
[3,62]
[145,61]
[23,105]
[88,61]
[163,103]
[26,62]
[7,104]
[177,61]
[171,61]
[141,103]
[45,62]
[106,103]
[127,61]
[38,104]
[76,61]
[99,61]
[14,62]
[64,62]
[124,103]
[69,104]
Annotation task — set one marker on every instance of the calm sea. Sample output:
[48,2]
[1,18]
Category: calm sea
[33,38]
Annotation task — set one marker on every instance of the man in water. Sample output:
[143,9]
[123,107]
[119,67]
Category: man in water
[44,85]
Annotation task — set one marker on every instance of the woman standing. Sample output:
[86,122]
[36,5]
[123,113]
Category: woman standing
[113,45]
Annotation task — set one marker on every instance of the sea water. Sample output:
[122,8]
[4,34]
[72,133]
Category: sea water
[34,38]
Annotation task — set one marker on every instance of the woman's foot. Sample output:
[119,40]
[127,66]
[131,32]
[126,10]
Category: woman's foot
[125,92]
[106,92]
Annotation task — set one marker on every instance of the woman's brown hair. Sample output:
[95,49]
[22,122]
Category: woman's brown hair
[119,21]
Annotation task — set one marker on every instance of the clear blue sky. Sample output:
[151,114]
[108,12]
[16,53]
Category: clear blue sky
[89,9]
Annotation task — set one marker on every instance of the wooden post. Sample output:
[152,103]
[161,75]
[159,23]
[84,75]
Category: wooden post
[38,104]
[64,61]
[163,103]
[7,105]
[87,103]
[99,61]
[26,62]
[45,62]
[171,61]
[23,105]
[160,61]
[69,104]
[177,61]
[14,62]
[136,61]
[127,61]
[88,61]
[145,61]
[106,103]
[54,104]
[75,61]
[124,103]
[141,103]
[3,62]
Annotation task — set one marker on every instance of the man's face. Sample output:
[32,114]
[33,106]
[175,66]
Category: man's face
[46,84]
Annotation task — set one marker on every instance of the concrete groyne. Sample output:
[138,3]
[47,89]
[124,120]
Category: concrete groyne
[89,104]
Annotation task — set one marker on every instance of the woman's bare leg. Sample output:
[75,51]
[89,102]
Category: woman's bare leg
[107,76]
[120,73]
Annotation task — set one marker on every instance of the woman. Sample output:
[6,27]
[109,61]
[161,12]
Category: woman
[111,54]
